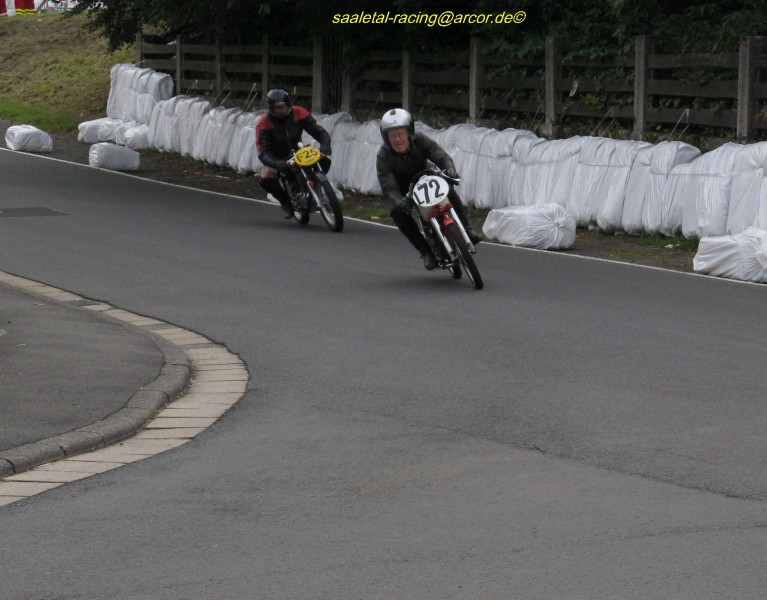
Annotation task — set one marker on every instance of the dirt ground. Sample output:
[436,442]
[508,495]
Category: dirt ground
[173,168]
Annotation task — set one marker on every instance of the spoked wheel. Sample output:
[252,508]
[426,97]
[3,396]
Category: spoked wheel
[467,260]
[330,208]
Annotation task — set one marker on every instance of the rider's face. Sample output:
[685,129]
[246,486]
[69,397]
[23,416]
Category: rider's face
[399,140]
[280,109]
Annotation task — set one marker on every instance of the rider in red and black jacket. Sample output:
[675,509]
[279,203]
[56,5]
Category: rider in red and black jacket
[278,133]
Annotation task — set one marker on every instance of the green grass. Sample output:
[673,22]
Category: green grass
[368,212]
[41,116]
[675,240]
[55,72]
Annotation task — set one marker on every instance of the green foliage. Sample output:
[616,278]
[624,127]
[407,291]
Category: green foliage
[596,28]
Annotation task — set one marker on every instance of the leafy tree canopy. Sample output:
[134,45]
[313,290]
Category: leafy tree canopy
[596,28]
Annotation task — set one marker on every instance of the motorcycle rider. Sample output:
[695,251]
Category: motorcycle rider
[405,153]
[278,133]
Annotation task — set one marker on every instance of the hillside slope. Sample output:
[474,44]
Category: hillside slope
[55,71]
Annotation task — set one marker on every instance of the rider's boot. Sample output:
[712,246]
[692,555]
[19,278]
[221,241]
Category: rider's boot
[460,210]
[475,237]
[272,186]
[429,261]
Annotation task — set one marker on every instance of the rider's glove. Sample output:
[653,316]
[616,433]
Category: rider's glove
[403,207]
[452,173]
[325,149]
[282,166]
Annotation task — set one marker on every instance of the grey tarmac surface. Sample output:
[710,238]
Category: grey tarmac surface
[64,368]
[579,430]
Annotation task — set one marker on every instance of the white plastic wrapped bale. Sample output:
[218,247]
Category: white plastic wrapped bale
[546,226]
[133,80]
[118,102]
[120,130]
[225,137]
[360,159]
[98,130]
[465,151]
[643,210]
[638,187]
[115,158]
[329,122]
[340,126]
[208,140]
[606,201]
[153,87]
[167,125]
[748,196]
[704,194]
[135,137]
[178,104]
[513,144]
[242,149]
[545,171]
[441,136]
[342,139]
[156,123]
[599,184]
[742,256]
[485,169]
[190,115]
[134,91]
[28,138]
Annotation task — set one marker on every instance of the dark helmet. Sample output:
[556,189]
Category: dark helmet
[276,97]
[395,118]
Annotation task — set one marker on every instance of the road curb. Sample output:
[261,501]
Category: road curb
[145,409]
[120,425]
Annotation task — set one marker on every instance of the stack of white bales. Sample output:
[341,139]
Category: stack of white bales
[599,182]
[644,208]
[545,170]
[133,94]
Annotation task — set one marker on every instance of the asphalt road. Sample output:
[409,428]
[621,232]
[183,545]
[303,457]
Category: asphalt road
[69,369]
[577,429]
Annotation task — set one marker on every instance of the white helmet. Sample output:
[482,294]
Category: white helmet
[395,118]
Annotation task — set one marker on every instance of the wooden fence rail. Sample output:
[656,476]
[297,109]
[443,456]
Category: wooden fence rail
[647,90]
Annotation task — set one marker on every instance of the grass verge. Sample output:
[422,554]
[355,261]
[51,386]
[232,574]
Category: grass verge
[55,71]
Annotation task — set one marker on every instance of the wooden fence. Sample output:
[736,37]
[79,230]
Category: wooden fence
[645,91]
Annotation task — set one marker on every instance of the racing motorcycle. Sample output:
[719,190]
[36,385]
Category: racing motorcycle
[438,222]
[309,189]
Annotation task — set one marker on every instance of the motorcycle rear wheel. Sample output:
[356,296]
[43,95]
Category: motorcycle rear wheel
[330,208]
[466,258]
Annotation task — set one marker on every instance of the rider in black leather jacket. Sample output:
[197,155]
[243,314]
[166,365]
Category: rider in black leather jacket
[278,133]
[404,154]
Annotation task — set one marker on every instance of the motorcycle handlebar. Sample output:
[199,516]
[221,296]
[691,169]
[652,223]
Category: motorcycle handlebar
[432,171]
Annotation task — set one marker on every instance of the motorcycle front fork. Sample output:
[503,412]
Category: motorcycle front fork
[437,236]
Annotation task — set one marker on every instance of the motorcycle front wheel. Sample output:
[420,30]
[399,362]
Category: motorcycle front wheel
[330,208]
[466,258]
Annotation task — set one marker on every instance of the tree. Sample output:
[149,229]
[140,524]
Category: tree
[596,28]
[121,20]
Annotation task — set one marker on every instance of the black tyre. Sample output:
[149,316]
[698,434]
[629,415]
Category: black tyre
[330,208]
[456,270]
[467,260]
